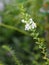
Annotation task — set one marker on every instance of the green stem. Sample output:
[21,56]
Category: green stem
[14,28]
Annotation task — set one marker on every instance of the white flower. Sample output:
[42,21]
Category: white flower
[27,27]
[30,20]
[29,24]
[33,25]
[23,21]
[1,6]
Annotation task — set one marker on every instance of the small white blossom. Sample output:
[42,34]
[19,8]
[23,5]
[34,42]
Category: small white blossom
[33,25]
[27,27]
[30,21]
[29,24]
[23,21]
[1,6]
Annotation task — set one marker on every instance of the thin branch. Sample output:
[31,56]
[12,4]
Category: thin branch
[14,28]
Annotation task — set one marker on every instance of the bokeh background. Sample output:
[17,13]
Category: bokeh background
[17,47]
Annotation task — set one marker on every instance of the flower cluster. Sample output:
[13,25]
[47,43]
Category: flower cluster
[30,24]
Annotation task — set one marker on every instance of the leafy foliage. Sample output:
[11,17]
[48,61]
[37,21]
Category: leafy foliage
[17,46]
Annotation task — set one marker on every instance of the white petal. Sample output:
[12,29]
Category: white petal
[27,26]
[22,21]
[31,21]
[33,25]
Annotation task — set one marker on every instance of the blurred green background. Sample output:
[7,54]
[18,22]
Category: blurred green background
[17,47]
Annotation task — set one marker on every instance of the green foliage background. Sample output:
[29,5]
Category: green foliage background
[17,47]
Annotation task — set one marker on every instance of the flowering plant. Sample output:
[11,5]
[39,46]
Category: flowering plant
[30,25]
[23,51]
